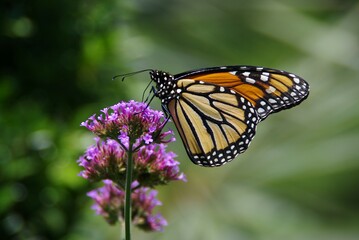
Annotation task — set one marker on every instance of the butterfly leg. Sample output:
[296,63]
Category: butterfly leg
[152,93]
[143,94]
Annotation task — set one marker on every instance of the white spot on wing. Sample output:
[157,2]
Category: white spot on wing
[246,74]
[270,90]
[250,80]
[271,100]
[264,78]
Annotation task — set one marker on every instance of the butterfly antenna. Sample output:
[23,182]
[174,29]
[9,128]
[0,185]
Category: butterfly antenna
[130,74]
[152,92]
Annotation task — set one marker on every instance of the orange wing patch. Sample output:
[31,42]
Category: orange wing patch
[268,91]
[232,81]
[282,79]
[224,79]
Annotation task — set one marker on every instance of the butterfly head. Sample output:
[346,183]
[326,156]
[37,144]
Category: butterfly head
[165,84]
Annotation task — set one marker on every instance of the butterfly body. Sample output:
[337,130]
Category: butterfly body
[216,110]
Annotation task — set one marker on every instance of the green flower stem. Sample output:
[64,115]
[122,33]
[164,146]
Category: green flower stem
[128,192]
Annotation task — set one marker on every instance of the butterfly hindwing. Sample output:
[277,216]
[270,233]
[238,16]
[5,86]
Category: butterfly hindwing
[215,123]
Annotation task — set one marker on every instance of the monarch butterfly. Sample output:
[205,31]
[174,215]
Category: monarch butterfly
[216,110]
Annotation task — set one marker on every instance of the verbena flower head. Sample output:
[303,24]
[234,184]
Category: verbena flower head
[152,164]
[109,202]
[155,166]
[105,160]
[129,121]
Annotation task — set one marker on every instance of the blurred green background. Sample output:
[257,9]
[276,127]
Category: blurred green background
[298,180]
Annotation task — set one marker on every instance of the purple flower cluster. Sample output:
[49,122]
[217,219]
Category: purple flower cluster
[105,160]
[144,200]
[124,127]
[109,202]
[108,160]
[155,166]
[129,122]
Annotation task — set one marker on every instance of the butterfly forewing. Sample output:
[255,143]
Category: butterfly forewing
[269,90]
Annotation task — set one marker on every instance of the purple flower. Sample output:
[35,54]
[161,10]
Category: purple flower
[117,128]
[129,121]
[109,202]
[105,160]
[155,223]
[156,165]
[145,200]
[152,164]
